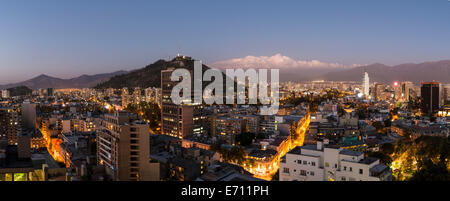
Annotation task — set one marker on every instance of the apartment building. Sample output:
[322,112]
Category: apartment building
[123,147]
[9,125]
[323,162]
[227,128]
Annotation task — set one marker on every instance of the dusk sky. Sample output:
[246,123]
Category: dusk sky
[65,38]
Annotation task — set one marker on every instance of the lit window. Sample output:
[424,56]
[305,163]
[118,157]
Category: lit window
[303,172]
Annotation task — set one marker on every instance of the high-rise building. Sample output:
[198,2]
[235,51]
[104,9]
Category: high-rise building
[365,84]
[136,96]
[9,125]
[406,90]
[153,95]
[179,120]
[123,147]
[397,91]
[432,97]
[29,115]
[379,94]
[227,128]
[50,91]
[446,92]
[125,97]
[5,93]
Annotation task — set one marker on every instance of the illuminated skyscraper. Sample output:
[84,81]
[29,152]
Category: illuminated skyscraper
[397,91]
[406,88]
[379,93]
[365,84]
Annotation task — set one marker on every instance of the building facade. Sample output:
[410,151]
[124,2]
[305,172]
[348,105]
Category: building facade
[123,147]
[327,163]
[432,97]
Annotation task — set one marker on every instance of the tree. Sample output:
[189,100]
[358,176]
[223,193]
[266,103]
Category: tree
[276,176]
[237,154]
[384,158]
[431,172]
[423,159]
[245,139]
[387,148]
[148,111]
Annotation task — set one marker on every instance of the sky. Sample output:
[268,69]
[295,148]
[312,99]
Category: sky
[68,38]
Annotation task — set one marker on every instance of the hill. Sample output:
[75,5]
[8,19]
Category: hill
[19,91]
[150,75]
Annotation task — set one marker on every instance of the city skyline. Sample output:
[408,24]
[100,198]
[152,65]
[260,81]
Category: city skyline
[68,39]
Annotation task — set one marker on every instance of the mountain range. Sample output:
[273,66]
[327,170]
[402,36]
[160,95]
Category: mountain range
[416,73]
[45,81]
[150,75]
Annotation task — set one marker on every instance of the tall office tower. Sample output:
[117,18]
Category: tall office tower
[177,120]
[406,90]
[29,115]
[432,97]
[184,119]
[379,94]
[9,125]
[123,147]
[365,84]
[397,91]
[5,93]
[50,91]
[445,92]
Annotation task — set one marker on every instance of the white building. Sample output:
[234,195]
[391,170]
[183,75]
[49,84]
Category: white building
[5,93]
[324,163]
[365,84]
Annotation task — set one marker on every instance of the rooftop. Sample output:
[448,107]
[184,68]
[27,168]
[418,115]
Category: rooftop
[296,150]
[378,169]
[350,152]
[368,160]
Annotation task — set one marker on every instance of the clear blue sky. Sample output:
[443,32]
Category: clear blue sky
[67,38]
